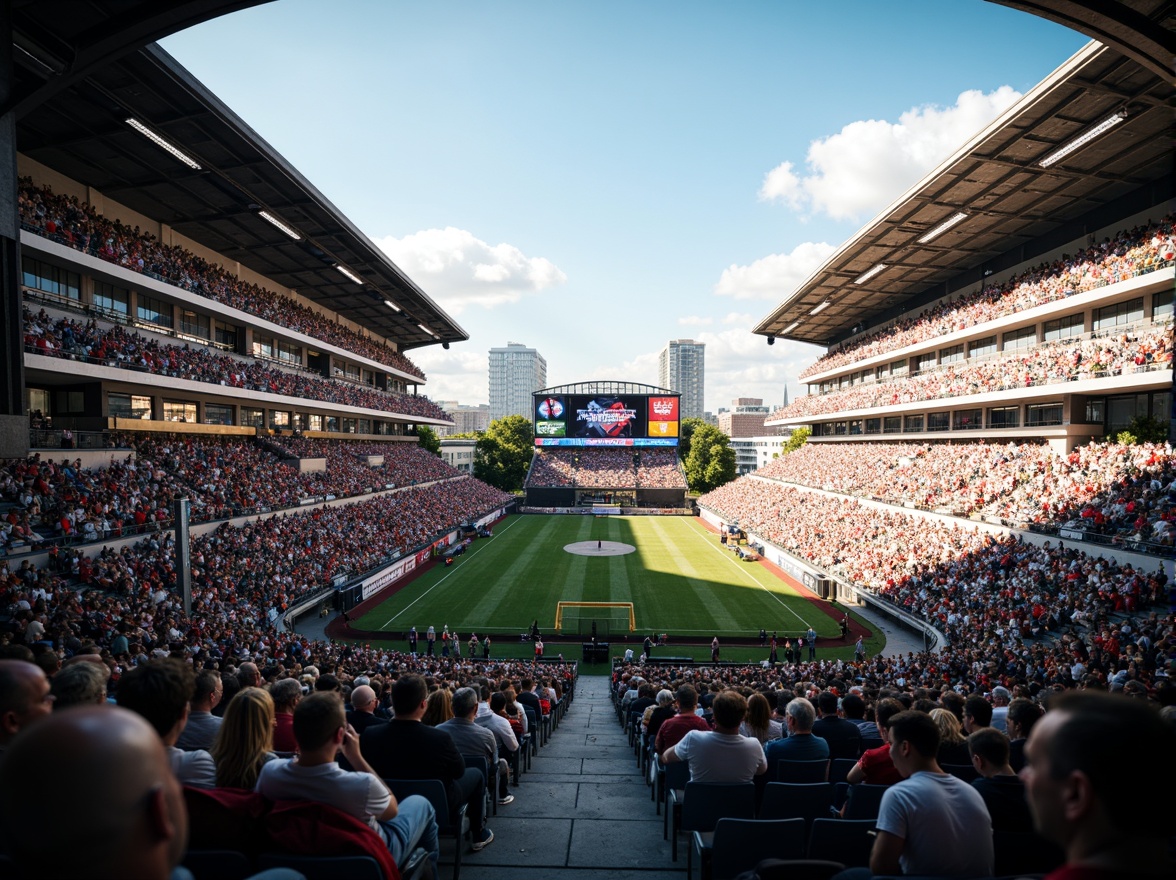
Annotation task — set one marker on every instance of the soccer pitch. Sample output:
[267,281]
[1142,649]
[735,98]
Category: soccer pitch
[680,580]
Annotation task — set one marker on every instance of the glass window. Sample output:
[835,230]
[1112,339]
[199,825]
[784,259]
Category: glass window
[50,279]
[365,426]
[1162,305]
[217,414]
[263,346]
[128,406]
[1095,409]
[69,402]
[892,425]
[289,352]
[881,371]
[226,335]
[153,311]
[349,426]
[900,368]
[332,423]
[939,421]
[982,347]
[1014,340]
[279,418]
[926,361]
[314,422]
[109,298]
[1161,406]
[1064,328]
[1118,314]
[1121,411]
[194,323]
[179,411]
[913,424]
[952,354]
[253,418]
[967,419]
[855,426]
[873,426]
[1037,414]
[1004,417]
[352,372]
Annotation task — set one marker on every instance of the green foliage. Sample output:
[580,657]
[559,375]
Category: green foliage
[685,434]
[427,439]
[798,439]
[503,453]
[711,460]
[1144,429]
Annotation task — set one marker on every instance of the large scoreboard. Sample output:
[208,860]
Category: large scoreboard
[606,420]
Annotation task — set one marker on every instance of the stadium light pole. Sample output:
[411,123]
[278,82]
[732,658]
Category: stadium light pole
[181,508]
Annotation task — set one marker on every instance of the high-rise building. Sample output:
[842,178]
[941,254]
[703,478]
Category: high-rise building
[467,418]
[745,418]
[515,372]
[681,367]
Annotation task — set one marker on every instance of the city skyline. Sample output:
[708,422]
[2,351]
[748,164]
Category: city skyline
[598,209]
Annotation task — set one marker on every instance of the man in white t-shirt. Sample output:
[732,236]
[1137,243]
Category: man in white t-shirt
[721,755]
[322,732]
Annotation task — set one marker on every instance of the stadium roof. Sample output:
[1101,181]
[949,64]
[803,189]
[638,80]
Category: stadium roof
[72,114]
[605,386]
[1008,198]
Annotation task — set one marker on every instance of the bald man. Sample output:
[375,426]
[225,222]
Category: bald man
[362,715]
[25,698]
[127,817]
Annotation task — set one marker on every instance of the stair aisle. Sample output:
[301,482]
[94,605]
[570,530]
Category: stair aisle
[581,809]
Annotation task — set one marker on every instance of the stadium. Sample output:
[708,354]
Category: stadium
[209,458]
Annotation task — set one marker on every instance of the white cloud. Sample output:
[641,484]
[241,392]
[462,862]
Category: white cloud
[869,163]
[459,270]
[695,321]
[775,276]
[454,375]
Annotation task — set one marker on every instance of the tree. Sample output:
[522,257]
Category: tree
[798,439]
[711,460]
[503,453]
[427,439]
[1143,429]
[685,434]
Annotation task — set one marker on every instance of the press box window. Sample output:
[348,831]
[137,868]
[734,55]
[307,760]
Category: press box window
[892,425]
[217,414]
[108,298]
[1162,305]
[154,311]
[1004,417]
[253,418]
[195,324]
[179,411]
[913,424]
[1015,340]
[51,279]
[967,419]
[128,406]
[1039,414]
[939,421]
[982,347]
[1065,328]
[1119,314]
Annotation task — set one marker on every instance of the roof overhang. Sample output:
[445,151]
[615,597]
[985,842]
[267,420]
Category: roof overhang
[79,128]
[1008,198]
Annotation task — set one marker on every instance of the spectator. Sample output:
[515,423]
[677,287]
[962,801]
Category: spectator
[1002,790]
[107,770]
[931,822]
[286,694]
[844,737]
[201,729]
[1022,715]
[25,698]
[800,744]
[244,742]
[322,732]
[363,708]
[476,739]
[406,749]
[79,684]
[721,755]
[687,719]
[1079,785]
[161,691]
[875,765]
[1000,707]
[953,745]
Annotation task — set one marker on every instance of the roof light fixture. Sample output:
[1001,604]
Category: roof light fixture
[821,307]
[426,329]
[274,221]
[957,217]
[163,144]
[392,305]
[1083,139]
[344,270]
[870,273]
[790,327]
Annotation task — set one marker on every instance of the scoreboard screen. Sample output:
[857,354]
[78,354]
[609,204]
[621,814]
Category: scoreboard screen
[603,420]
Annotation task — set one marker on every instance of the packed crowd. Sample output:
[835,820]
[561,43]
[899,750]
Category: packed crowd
[222,477]
[403,464]
[1066,360]
[623,468]
[1109,489]
[115,346]
[74,223]
[1128,253]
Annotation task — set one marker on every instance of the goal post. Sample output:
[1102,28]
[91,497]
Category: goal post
[580,616]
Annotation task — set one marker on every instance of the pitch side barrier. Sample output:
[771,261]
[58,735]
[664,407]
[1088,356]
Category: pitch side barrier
[828,585]
[612,511]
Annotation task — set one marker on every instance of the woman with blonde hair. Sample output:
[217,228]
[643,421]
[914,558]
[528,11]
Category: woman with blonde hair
[245,739]
[953,745]
[439,708]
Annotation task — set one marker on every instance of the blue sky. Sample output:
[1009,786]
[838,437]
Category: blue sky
[594,179]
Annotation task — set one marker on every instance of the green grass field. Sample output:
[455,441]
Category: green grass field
[679,579]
